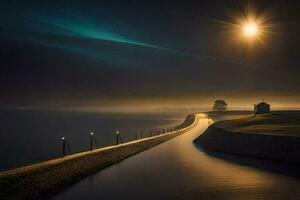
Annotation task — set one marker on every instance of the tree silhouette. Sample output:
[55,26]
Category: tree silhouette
[220,105]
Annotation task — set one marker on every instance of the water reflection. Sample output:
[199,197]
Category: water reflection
[179,170]
[268,165]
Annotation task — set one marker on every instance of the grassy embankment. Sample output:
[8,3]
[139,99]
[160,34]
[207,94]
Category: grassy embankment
[282,123]
[228,115]
[42,180]
[274,136]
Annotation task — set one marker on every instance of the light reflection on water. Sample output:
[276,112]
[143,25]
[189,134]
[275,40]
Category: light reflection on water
[177,169]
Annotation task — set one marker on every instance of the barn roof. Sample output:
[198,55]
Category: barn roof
[262,104]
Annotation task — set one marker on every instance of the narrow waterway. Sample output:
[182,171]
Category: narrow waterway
[177,169]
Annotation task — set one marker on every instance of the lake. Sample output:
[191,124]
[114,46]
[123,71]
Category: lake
[29,136]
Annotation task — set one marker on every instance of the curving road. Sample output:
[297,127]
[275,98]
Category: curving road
[177,169]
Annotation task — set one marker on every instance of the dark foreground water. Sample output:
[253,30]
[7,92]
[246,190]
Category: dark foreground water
[177,169]
[29,136]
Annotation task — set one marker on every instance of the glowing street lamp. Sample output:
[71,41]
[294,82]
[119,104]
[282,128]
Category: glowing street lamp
[63,146]
[117,133]
[91,141]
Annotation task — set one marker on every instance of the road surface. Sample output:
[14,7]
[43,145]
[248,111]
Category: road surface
[177,169]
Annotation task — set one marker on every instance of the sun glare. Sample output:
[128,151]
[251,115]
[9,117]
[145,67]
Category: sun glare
[250,29]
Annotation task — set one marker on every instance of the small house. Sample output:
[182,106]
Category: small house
[261,108]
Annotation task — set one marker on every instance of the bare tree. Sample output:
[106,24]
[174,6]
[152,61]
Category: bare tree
[220,105]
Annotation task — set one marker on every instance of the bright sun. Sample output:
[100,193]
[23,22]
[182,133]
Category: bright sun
[247,27]
[250,29]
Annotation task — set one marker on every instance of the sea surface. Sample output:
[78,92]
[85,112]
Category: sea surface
[29,136]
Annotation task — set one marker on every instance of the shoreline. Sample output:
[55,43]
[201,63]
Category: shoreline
[282,148]
[43,180]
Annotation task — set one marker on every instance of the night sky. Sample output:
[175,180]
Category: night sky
[156,53]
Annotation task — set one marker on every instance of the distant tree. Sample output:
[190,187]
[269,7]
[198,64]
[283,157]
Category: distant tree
[220,105]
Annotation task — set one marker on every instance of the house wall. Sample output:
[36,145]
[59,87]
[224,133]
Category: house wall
[261,109]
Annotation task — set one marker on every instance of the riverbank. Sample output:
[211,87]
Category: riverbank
[228,115]
[273,136]
[42,180]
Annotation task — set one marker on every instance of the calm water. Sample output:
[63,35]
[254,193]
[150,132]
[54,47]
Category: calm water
[30,136]
[177,169]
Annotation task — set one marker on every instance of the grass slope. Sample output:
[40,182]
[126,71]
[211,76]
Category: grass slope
[231,114]
[283,123]
[273,136]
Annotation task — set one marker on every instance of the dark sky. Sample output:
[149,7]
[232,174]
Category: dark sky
[99,53]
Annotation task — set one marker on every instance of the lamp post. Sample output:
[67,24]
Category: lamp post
[117,137]
[63,139]
[91,141]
